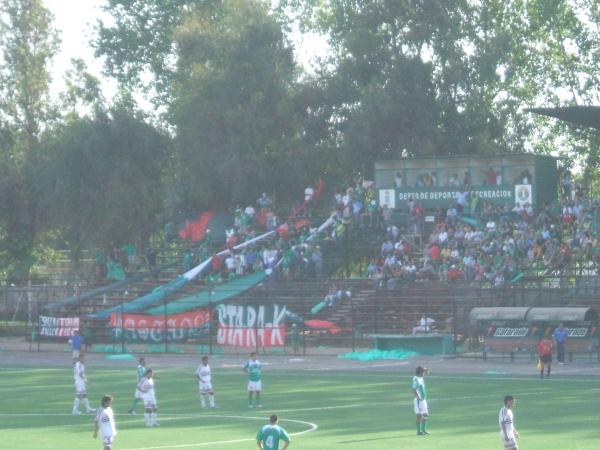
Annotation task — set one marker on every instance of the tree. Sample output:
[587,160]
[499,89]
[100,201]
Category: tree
[138,42]
[420,77]
[27,44]
[233,106]
[105,177]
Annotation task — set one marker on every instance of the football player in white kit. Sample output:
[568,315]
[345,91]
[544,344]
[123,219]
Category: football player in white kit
[80,387]
[146,387]
[205,384]
[508,432]
[105,423]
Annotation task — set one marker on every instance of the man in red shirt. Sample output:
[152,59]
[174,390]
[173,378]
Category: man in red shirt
[544,349]
[434,254]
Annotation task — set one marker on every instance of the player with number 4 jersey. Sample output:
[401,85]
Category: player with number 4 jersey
[270,435]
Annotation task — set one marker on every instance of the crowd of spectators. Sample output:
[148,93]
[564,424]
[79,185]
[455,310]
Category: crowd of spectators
[477,241]
[470,239]
[292,251]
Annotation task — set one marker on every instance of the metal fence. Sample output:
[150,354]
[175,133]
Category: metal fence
[315,317]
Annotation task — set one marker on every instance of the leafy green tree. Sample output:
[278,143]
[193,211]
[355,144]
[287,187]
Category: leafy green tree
[420,77]
[138,43]
[233,106]
[28,42]
[104,176]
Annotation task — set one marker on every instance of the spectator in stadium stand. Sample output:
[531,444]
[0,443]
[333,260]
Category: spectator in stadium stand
[357,207]
[467,178]
[560,336]
[435,255]
[151,258]
[309,193]
[216,263]
[490,177]
[231,263]
[453,273]
[398,180]
[264,201]
[251,213]
[567,184]
[452,215]
[317,262]
[462,200]
[453,181]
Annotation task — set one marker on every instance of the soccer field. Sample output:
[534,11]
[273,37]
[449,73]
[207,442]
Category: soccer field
[321,410]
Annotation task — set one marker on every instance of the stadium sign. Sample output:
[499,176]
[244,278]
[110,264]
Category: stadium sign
[579,332]
[443,196]
[510,332]
[58,326]
[251,326]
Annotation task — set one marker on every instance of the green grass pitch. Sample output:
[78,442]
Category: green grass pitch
[352,410]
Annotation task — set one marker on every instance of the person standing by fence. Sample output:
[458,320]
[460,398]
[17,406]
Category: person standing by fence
[76,341]
[560,336]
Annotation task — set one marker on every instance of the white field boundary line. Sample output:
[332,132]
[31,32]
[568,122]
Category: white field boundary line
[312,427]
[362,372]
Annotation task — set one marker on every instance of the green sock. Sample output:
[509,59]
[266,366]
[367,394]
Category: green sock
[133,404]
[418,427]
[423,425]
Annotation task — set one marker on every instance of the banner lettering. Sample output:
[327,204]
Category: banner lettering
[58,326]
[146,328]
[251,326]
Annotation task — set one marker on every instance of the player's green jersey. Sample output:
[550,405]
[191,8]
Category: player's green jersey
[253,368]
[141,371]
[418,384]
[270,435]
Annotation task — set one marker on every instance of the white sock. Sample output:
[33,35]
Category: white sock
[86,403]
[203,401]
[147,418]
[76,405]
[211,400]
[153,418]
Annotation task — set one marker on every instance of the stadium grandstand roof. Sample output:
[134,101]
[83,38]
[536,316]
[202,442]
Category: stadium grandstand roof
[587,116]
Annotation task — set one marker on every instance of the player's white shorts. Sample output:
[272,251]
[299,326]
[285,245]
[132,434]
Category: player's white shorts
[255,386]
[149,400]
[511,444]
[420,407]
[80,387]
[138,394]
[107,441]
[205,388]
